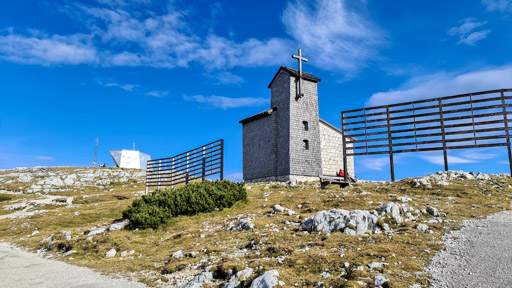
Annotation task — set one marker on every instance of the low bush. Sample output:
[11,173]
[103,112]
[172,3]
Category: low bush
[4,198]
[159,207]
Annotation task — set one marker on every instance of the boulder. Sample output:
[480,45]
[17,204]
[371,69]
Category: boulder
[392,208]
[278,208]
[379,280]
[267,280]
[236,280]
[15,206]
[327,221]
[198,281]
[111,253]
[423,228]
[433,211]
[118,225]
[178,254]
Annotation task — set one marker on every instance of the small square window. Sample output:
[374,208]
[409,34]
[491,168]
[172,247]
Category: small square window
[306,125]
[305,144]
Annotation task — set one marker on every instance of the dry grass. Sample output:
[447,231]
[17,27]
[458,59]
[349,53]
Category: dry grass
[306,255]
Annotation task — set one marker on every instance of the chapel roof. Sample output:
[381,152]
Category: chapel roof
[294,73]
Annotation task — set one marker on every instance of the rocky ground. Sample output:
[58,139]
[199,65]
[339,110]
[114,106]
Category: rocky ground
[367,235]
[23,269]
[478,255]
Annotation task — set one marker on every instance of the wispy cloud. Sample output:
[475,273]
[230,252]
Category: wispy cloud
[223,78]
[227,102]
[377,163]
[46,158]
[498,5]
[338,32]
[39,48]
[439,159]
[156,93]
[474,155]
[125,87]
[444,84]
[466,31]
[341,37]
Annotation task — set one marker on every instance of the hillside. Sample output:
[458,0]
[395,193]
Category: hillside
[359,236]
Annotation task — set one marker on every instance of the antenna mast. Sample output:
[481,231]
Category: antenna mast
[96,151]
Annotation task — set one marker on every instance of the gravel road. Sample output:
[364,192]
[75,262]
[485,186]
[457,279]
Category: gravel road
[479,256]
[22,269]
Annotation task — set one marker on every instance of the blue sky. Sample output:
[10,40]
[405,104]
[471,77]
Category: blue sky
[172,75]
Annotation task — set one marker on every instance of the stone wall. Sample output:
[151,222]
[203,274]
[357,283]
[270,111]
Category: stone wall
[280,98]
[305,162]
[260,147]
[332,150]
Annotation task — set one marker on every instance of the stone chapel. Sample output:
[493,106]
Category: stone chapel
[289,141]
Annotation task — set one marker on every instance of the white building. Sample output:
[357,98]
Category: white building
[126,158]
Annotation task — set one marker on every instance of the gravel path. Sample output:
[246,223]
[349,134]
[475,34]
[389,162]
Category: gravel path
[24,269]
[480,255]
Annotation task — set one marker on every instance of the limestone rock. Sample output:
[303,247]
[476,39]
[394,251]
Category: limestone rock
[118,225]
[15,206]
[327,221]
[379,280]
[392,208]
[236,280]
[111,253]
[376,265]
[433,211]
[423,228]
[278,208]
[267,280]
[178,254]
[198,281]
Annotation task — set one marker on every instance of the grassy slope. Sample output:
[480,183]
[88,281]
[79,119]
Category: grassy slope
[306,255]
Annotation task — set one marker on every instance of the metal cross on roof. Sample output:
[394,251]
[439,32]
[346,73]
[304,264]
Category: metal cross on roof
[300,59]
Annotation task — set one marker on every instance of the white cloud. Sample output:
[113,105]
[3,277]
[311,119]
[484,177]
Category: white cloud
[444,84]
[227,102]
[224,78]
[156,93]
[341,38]
[46,158]
[439,159]
[376,163]
[498,5]
[43,50]
[474,155]
[127,87]
[465,31]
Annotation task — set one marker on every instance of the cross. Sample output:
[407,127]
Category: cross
[300,59]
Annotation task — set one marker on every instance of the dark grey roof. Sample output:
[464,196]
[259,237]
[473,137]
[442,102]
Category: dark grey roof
[294,73]
[258,116]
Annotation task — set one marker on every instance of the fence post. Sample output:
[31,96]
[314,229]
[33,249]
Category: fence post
[390,143]
[221,159]
[204,164]
[505,118]
[344,147]
[186,175]
[147,187]
[159,168]
[445,154]
[172,173]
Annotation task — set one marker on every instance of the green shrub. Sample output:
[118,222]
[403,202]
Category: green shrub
[4,198]
[160,206]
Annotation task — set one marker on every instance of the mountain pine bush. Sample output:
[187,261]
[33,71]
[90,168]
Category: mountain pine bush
[159,207]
